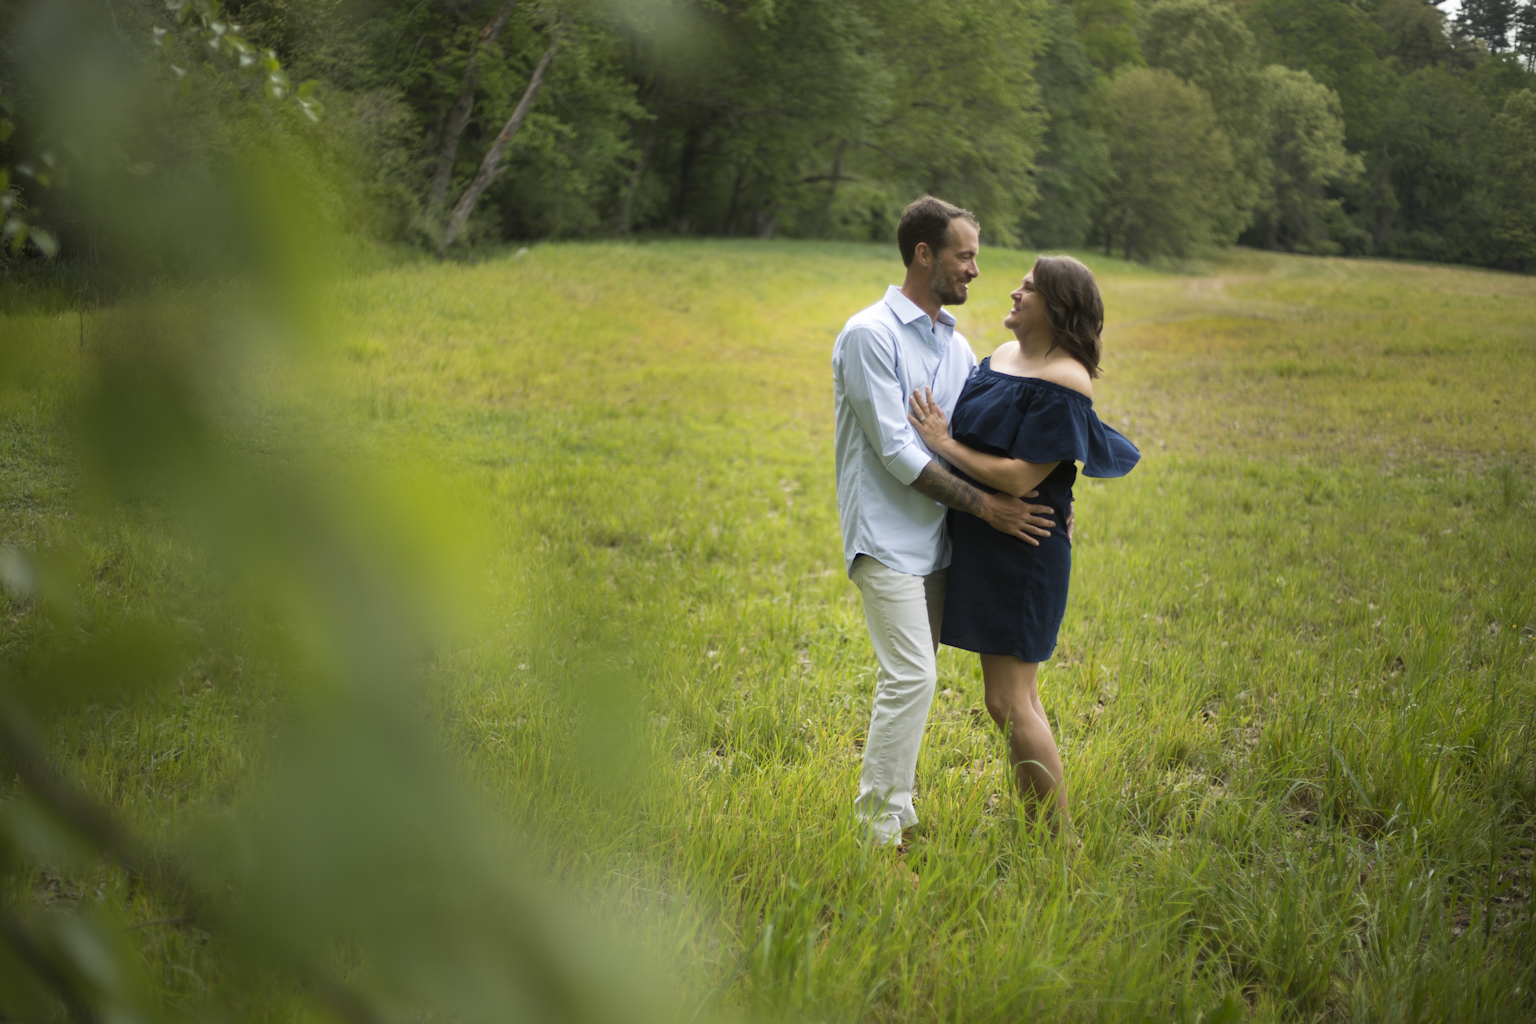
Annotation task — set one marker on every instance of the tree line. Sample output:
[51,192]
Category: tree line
[1361,127]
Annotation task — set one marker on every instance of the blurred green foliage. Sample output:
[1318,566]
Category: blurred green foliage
[320,857]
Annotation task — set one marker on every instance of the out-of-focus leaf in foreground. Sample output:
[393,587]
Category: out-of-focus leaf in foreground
[349,872]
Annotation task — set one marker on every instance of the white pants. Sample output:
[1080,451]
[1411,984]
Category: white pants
[903,613]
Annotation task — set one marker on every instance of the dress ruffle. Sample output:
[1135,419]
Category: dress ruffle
[1038,421]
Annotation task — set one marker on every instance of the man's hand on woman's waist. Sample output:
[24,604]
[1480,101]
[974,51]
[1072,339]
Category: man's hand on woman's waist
[1003,512]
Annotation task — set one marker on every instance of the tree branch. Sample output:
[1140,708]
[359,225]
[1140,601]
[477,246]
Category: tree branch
[492,162]
[458,116]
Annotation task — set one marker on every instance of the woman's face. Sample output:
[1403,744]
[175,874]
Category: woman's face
[1028,313]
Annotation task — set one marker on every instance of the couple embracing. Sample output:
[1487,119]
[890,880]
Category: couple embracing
[954,487]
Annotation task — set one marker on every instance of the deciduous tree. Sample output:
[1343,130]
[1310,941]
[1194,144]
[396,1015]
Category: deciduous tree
[1432,134]
[964,119]
[1512,173]
[490,164]
[1306,154]
[1107,29]
[1206,43]
[1073,163]
[458,115]
[1172,167]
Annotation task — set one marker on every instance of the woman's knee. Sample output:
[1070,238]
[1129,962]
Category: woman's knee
[1004,709]
[997,708]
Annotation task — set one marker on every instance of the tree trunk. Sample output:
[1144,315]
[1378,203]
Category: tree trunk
[764,220]
[492,162]
[626,208]
[730,213]
[1383,190]
[458,116]
[837,175]
[684,182]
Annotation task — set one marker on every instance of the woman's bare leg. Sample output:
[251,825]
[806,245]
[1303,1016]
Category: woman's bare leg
[1013,701]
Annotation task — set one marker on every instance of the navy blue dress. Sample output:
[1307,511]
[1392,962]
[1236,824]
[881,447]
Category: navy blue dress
[1006,596]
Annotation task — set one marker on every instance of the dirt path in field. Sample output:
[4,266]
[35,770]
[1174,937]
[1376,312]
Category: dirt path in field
[1208,288]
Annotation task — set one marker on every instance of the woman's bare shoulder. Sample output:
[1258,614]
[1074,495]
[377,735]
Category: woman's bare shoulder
[1069,373]
[1007,352]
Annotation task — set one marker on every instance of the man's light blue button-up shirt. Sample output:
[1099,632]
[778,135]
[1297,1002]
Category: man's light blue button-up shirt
[884,354]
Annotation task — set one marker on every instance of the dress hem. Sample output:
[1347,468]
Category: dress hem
[974,648]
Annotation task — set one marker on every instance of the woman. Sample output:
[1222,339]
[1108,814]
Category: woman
[1023,422]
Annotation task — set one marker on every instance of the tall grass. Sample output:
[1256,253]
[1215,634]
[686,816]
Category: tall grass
[1294,692]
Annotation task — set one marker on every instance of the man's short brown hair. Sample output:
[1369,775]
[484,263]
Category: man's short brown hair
[927,220]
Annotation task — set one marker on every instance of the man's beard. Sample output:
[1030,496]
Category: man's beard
[946,286]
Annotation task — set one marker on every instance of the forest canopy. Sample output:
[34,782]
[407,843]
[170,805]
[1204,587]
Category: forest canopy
[1373,127]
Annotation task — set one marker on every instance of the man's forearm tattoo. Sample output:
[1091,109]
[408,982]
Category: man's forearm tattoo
[945,488]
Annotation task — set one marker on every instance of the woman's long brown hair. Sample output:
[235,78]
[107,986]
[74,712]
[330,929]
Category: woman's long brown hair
[1073,308]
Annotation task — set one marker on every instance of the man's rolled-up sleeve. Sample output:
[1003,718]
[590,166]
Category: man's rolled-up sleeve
[874,392]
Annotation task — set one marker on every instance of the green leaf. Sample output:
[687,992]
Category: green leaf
[19,239]
[6,128]
[32,830]
[277,84]
[89,952]
[45,242]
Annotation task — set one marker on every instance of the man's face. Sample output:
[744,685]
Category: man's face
[955,268]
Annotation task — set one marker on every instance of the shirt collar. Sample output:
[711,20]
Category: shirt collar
[907,311]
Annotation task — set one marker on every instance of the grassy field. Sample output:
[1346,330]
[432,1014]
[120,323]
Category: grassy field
[1294,693]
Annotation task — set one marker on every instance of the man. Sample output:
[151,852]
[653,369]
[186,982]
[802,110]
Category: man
[892,492]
